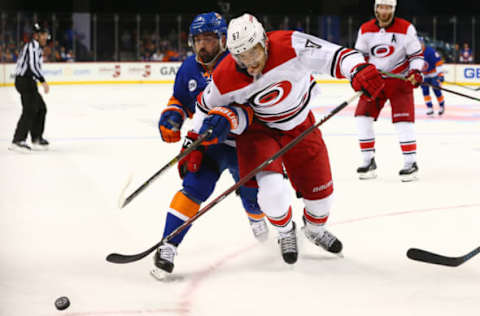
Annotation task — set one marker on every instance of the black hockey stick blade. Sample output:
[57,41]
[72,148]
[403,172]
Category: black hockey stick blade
[430,257]
[120,259]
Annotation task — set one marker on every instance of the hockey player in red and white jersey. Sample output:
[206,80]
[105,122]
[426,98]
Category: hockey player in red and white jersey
[391,44]
[261,92]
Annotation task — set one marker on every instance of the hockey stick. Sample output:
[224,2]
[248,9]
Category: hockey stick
[180,156]
[119,258]
[429,257]
[388,74]
[463,86]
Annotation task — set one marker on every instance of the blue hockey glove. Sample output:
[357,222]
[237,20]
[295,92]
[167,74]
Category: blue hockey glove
[221,120]
[170,123]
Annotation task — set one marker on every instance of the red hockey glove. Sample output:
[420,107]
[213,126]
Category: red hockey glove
[415,78]
[193,161]
[367,79]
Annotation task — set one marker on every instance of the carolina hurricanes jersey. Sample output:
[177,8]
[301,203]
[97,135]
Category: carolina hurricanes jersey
[280,95]
[395,49]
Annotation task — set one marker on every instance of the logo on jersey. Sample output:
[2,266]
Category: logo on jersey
[311,44]
[192,85]
[271,95]
[425,67]
[382,50]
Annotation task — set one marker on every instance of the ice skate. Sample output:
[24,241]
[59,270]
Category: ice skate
[163,261]
[324,239]
[409,172]
[40,144]
[429,112]
[20,147]
[288,245]
[441,111]
[259,229]
[367,171]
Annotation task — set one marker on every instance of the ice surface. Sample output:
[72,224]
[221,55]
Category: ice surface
[59,218]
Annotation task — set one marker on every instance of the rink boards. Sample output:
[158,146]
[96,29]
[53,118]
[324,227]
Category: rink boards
[164,72]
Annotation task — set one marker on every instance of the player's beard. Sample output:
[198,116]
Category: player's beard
[385,19]
[205,56]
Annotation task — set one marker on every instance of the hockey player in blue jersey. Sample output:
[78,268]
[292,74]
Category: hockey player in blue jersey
[433,74]
[202,168]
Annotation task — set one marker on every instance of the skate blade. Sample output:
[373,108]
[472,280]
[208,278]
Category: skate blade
[39,148]
[409,178]
[262,237]
[367,175]
[163,276]
[19,150]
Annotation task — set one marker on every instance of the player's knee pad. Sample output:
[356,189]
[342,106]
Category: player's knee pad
[200,185]
[425,90]
[318,208]
[273,193]
[249,199]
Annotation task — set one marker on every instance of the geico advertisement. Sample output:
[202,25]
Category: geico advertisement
[100,72]
[471,73]
[138,72]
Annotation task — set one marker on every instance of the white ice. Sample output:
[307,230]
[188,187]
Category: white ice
[59,218]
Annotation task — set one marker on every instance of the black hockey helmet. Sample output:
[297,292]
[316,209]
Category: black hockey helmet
[39,28]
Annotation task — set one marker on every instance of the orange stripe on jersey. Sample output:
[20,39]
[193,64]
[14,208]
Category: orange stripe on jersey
[175,101]
[439,63]
[182,204]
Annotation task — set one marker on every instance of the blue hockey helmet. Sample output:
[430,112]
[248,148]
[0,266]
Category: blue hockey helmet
[207,22]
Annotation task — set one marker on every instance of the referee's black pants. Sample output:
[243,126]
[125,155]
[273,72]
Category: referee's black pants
[34,110]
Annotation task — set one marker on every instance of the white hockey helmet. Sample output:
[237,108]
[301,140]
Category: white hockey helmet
[244,33]
[392,3]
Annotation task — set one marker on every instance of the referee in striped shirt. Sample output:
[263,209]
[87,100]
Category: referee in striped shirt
[27,73]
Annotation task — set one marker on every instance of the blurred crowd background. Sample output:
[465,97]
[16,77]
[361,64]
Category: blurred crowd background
[151,36]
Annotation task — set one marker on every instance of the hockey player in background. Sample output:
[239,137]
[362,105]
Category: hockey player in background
[200,173]
[391,44]
[433,74]
[272,74]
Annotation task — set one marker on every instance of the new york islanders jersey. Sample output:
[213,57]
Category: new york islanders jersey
[279,97]
[433,63]
[190,80]
[395,49]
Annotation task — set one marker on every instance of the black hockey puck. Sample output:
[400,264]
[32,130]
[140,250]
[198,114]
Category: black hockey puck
[62,303]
